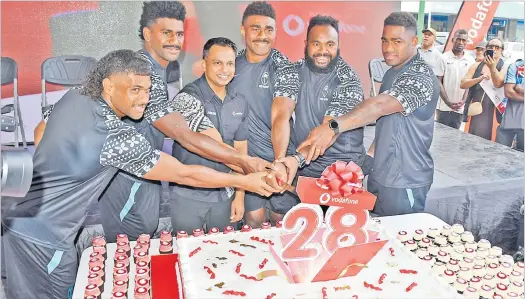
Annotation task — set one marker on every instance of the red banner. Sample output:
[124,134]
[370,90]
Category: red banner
[475,17]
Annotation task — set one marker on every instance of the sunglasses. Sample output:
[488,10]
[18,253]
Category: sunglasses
[493,47]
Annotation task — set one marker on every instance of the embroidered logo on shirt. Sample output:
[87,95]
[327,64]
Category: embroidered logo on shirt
[211,113]
[265,80]
[324,94]
[236,113]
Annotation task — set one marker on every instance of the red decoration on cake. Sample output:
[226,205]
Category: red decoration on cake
[263,263]
[209,271]
[391,251]
[382,278]
[342,179]
[238,268]
[229,229]
[182,234]
[371,286]
[246,228]
[195,251]
[406,271]
[323,291]
[266,225]
[209,242]
[249,277]
[345,287]
[279,224]
[234,293]
[264,241]
[198,232]
[271,296]
[235,252]
[410,287]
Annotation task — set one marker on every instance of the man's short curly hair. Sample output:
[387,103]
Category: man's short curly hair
[323,21]
[402,18]
[115,62]
[258,8]
[153,10]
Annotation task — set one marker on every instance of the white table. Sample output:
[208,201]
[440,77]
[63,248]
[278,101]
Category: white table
[392,224]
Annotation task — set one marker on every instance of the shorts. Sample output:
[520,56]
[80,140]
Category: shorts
[397,201]
[34,271]
[189,214]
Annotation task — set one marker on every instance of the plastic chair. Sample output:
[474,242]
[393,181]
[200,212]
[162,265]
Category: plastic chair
[10,76]
[376,68]
[66,70]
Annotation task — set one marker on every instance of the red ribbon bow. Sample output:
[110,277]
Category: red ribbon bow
[342,179]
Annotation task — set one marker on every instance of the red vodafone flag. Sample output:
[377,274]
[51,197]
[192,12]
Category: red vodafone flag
[475,17]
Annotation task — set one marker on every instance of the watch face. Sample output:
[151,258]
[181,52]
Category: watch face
[334,124]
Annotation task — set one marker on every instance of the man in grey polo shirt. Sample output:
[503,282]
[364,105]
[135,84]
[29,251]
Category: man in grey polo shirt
[329,88]
[192,207]
[84,146]
[403,167]
[270,84]
[457,63]
[512,123]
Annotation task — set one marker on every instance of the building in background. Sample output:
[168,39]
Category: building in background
[507,23]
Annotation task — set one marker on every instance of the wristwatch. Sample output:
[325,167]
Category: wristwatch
[300,159]
[334,125]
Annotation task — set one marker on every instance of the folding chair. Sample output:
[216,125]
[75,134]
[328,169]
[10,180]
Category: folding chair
[10,76]
[66,70]
[376,68]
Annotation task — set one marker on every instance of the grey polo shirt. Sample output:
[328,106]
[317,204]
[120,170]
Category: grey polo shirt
[402,158]
[513,116]
[230,117]
[434,59]
[260,83]
[329,94]
[84,145]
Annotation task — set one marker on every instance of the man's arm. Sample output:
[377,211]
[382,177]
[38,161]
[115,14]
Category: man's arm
[412,89]
[39,132]
[498,77]
[282,110]
[237,209]
[511,93]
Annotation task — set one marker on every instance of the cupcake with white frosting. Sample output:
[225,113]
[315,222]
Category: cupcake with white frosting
[456,255]
[489,280]
[454,238]
[411,245]
[439,268]
[506,258]
[428,259]
[460,285]
[467,237]
[486,291]
[478,260]
[466,263]
[470,253]
[472,245]
[492,269]
[422,252]
[502,278]
[425,242]
[458,246]
[516,276]
[476,282]
[501,289]
[483,243]
[518,267]
[491,259]
[471,293]
[446,230]
[465,273]
[433,249]
[443,257]
[453,265]
[495,251]
[506,268]
[479,271]
[446,248]
[482,252]
[458,228]
[402,236]
[432,233]
[512,295]
[449,276]
[440,240]
[516,287]
[418,235]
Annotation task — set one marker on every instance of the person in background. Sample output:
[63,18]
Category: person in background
[434,59]
[512,123]
[403,168]
[193,207]
[480,51]
[457,63]
[491,68]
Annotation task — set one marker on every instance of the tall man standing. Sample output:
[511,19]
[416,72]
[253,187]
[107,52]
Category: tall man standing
[403,167]
[457,63]
[270,84]
[329,89]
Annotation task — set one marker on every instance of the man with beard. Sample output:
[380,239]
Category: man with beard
[270,84]
[403,168]
[329,88]
[130,205]
[457,63]
[192,207]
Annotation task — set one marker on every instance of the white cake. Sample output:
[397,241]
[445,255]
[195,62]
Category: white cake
[217,253]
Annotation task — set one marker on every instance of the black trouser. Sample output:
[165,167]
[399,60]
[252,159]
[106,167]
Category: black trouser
[449,118]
